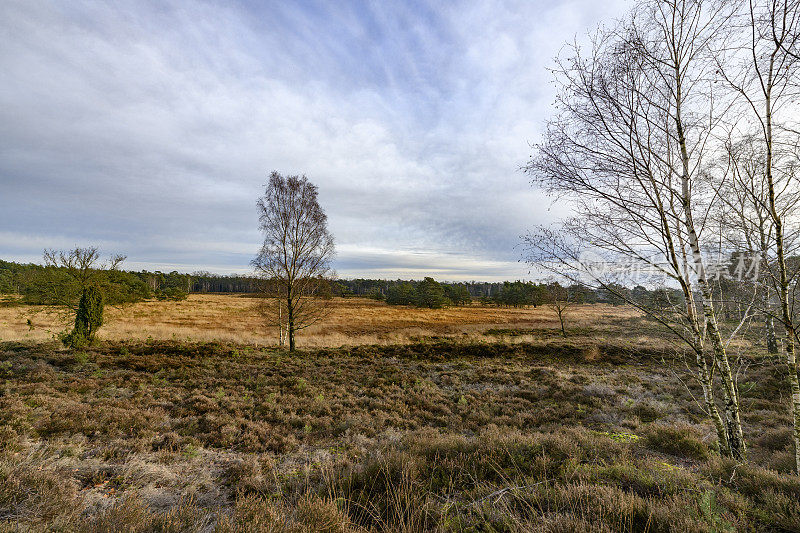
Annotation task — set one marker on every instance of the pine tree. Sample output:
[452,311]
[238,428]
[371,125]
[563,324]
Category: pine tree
[430,294]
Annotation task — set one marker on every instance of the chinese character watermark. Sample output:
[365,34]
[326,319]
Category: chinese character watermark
[740,268]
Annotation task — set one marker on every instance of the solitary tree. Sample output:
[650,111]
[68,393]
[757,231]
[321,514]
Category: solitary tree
[295,257]
[559,299]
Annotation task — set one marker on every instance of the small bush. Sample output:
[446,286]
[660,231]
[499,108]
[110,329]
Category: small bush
[34,494]
[678,440]
[174,294]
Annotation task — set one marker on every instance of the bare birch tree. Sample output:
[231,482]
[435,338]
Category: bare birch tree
[762,69]
[295,257]
[627,151]
[746,224]
[560,300]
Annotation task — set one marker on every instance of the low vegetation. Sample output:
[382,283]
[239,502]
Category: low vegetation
[549,436]
[350,321]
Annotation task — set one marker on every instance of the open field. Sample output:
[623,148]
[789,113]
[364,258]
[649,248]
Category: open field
[352,321]
[554,436]
[390,419]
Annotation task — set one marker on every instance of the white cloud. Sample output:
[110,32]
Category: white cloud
[151,129]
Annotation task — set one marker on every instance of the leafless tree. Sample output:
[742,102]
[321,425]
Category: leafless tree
[626,151]
[559,299]
[295,257]
[761,68]
[745,222]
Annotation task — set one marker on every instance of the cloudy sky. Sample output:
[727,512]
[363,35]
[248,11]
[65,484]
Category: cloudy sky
[149,129]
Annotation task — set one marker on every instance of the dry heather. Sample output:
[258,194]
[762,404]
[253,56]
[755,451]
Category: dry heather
[352,321]
[553,436]
[463,419]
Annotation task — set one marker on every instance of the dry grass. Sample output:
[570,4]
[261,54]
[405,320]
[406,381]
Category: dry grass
[554,437]
[463,419]
[352,321]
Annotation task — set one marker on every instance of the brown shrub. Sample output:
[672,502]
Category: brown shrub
[680,440]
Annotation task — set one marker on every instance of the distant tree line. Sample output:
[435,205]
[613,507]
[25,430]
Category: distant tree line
[426,293]
[53,284]
[39,284]
[369,287]
[206,282]
[429,293]
[28,279]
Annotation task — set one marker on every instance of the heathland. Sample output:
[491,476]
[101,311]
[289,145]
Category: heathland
[350,321]
[185,416]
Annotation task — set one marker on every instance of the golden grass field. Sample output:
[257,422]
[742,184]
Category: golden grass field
[350,321]
[512,428]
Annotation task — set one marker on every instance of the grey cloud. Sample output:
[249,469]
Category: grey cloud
[150,130]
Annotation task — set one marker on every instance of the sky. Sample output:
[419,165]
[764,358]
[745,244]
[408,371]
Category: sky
[150,128]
